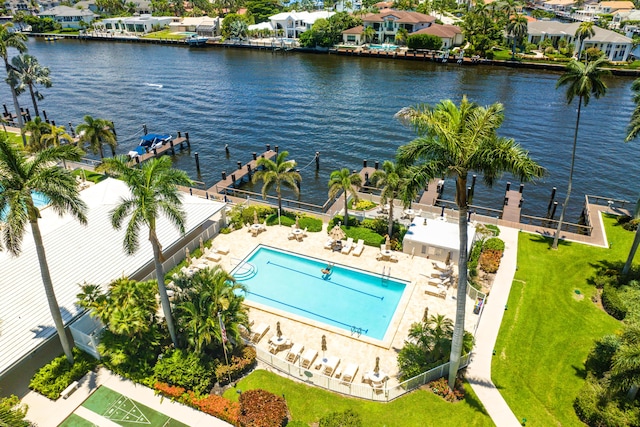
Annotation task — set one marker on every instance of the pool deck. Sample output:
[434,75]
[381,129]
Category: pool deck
[350,349]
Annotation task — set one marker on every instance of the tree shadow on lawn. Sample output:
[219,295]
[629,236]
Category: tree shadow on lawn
[547,239]
[579,372]
[474,403]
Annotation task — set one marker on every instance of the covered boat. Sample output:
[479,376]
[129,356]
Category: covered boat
[154,140]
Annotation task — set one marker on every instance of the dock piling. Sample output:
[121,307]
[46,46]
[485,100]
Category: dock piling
[173,152]
[197,162]
[553,210]
[186,138]
[226,150]
[276,148]
[521,188]
[553,196]
[364,163]
[72,130]
[155,152]
[144,128]
[255,155]
[113,128]
[239,165]
[376,165]
[317,160]
[224,175]
[268,147]
[508,185]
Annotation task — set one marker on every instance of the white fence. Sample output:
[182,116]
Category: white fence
[356,388]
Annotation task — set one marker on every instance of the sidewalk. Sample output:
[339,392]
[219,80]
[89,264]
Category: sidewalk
[479,369]
[49,413]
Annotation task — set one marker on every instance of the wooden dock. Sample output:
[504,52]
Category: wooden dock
[433,192]
[512,206]
[171,146]
[242,173]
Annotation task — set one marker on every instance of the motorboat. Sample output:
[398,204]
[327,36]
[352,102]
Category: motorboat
[154,140]
[196,40]
[136,152]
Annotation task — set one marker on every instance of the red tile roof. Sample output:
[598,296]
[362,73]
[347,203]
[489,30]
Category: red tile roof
[354,30]
[403,16]
[442,31]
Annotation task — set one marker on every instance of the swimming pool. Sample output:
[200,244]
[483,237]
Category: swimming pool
[39,200]
[352,300]
[386,47]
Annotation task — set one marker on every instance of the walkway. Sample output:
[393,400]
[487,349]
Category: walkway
[49,413]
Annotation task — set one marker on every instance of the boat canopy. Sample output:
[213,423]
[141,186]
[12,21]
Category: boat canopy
[152,139]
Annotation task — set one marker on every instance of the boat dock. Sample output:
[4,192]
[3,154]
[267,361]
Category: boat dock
[432,192]
[242,174]
[512,204]
[171,146]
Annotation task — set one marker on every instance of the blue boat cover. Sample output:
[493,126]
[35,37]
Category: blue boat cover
[149,139]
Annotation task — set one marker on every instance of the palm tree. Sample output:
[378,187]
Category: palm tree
[401,36]
[16,40]
[584,31]
[453,141]
[30,73]
[56,136]
[368,34]
[394,184]
[634,124]
[205,297]
[278,174]
[36,129]
[343,180]
[96,132]
[153,191]
[635,244]
[582,80]
[19,176]
[517,28]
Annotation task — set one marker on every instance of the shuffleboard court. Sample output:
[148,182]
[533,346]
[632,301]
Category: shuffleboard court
[120,410]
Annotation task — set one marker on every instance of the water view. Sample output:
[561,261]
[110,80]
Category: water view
[340,106]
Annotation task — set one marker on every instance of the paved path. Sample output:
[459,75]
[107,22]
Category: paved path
[479,369]
[49,413]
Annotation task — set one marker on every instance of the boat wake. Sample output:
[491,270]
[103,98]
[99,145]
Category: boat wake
[154,85]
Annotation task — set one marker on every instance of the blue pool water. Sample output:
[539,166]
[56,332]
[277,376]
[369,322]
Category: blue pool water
[39,200]
[350,299]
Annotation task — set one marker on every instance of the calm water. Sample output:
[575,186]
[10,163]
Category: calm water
[340,106]
[296,285]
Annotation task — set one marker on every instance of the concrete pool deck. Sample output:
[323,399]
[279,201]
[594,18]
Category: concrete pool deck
[350,349]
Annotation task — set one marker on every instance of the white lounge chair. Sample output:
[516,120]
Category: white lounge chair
[329,244]
[349,373]
[346,248]
[294,352]
[330,366]
[357,251]
[258,332]
[308,357]
[212,256]
[222,250]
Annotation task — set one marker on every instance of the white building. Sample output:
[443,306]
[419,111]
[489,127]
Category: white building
[202,25]
[69,17]
[295,23]
[436,239]
[615,46]
[135,24]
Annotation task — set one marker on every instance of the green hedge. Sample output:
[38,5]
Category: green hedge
[493,244]
[612,303]
[287,219]
[472,262]
[184,369]
[370,237]
[53,378]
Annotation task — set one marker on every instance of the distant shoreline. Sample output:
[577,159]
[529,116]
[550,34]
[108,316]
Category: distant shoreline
[405,56]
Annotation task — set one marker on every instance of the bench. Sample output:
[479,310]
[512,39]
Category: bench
[67,391]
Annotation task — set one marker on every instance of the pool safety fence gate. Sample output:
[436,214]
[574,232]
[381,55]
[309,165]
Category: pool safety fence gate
[357,388]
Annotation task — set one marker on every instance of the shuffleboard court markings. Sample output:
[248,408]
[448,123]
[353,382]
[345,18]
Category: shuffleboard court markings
[124,409]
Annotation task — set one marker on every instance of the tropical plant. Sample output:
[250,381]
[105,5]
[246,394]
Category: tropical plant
[401,36]
[96,132]
[453,141]
[517,29]
[19,176]
[154,192]
[582,81]
[278,174]
[394,185]
[16,40]
[36,128]
[206,300]
[368,34]
[30,73]
[344,181]
[584,31]
[13,413]
[56,136]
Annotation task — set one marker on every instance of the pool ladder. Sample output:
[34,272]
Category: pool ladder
[386,274]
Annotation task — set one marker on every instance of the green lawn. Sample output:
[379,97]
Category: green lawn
[548,329]
[419,408]
[74,420]
[164,34]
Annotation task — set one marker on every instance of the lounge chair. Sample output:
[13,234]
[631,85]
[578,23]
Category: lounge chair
[357,251]
[393,258]
[439,281]
[346,248]
[294,352]
[349,373]
[222,250]
[436,290]
[291,236]
[304,232]
[258,332]
[330,366]
[211,256]
[329,244]
[308,357]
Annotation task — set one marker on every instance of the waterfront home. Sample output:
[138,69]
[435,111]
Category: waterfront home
[615,46]
[451,35]
[135,24]
[295,23]
[590,12]
[142,7]
[388,22]
[620,21]
[69,17]
[560,6]
[202,25]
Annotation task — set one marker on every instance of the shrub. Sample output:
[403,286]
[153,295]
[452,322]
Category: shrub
[490,260]
[424,41]
[370,237]
[441,388]
[259,408]
[13,413]
[353,221]
[494,244]
[596,407]
[287,219]
[612,303]
[379,225]
[174,392]
[53,378]
[240,215]
[217,406]
[184,369]
[474,256]
[348,418]
[599,359]
[238,366]
[364,205]
[494,228]
[628,223]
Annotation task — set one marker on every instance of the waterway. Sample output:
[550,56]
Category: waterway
[342,107]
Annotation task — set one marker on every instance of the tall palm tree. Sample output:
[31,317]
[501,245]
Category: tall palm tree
[30,73]
[394,184]
[16,40]
[584,31]
[453,141]
[154,192]
[347,182]
[635,244]
[278,174]
[96,132]
[56,136]
[368,34]
[36,129]
[202,299]
[19,176]
[517,28]
[582,81]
